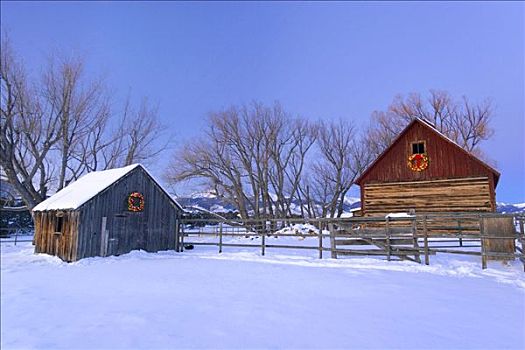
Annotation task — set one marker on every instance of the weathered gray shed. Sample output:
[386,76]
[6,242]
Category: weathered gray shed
[107,212]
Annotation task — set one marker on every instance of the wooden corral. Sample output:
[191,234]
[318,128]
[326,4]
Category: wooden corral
[453,179]
[413,238]
[105,224]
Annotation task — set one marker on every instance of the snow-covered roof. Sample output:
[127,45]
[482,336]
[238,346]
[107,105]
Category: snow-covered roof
[87,187]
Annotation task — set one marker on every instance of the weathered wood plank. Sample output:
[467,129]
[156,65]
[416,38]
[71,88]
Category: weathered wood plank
[498,227]
[332,240]
[320,235]
[428,196]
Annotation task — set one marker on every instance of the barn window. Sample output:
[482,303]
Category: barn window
[59,224]
[418,147]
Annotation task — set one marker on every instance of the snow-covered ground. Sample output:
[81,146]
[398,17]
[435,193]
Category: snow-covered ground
[239,299]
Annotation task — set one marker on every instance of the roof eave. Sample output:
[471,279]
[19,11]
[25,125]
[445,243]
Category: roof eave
[382,154]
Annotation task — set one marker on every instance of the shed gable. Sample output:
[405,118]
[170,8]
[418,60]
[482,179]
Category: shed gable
[91,185]
[145,179]
[151,228]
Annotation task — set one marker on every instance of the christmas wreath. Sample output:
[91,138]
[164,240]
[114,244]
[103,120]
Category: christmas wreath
[135,202]
[418,162]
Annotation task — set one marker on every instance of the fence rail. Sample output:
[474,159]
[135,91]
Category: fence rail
[6,235]
[414,238]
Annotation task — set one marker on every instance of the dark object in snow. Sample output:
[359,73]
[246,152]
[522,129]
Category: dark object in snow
[188,246]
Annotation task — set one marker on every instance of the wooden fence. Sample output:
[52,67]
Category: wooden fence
[12,234]
[415,238]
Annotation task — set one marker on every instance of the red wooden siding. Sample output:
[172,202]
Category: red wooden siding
[445,160]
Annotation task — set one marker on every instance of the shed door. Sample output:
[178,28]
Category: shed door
[116,235]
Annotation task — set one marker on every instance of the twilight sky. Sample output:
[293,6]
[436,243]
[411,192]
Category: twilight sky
[320,60]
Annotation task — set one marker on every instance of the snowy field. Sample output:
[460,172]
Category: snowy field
[238,299]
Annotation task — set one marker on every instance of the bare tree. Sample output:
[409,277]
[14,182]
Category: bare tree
[231,159]
[56,127]
[135,136]
[342,157]
[289,160]
[207,160]
[27,133]
[259,159]
[79,104]
[253,156]
[141,133]
[466,123]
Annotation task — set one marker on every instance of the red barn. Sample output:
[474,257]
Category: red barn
[426,171]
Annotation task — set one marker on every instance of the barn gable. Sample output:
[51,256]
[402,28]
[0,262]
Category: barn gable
[446,158]
[424,170]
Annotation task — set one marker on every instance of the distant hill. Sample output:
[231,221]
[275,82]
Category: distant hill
[206,201]
[506,208]
[210,202]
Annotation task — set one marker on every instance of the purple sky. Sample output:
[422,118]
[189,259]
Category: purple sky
[320,60]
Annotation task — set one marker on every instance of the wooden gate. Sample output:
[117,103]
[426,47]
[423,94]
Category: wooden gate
[393,238]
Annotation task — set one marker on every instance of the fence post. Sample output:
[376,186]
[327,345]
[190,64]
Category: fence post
[387,219]
[522,238]
[182,238]
[415,241]
[320,240]
[460,233]
[425,233]
[263,243]
[16,236]
[220,237]
[332,241]
[481,234]
[177,223]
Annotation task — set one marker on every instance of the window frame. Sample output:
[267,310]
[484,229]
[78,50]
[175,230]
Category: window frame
[423,142]
[59,223]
